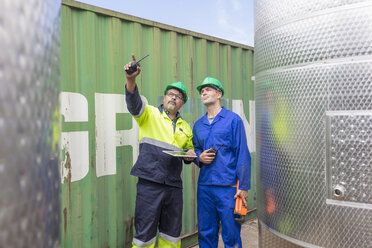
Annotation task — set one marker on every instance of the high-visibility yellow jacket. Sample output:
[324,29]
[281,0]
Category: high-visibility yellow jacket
[158,133]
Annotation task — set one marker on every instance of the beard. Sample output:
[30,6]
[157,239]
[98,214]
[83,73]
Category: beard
[171,106]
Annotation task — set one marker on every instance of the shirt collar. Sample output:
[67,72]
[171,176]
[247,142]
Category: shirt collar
[163,109]
[221,114]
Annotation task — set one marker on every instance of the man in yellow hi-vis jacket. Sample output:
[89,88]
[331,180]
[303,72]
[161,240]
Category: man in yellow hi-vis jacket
[159,189]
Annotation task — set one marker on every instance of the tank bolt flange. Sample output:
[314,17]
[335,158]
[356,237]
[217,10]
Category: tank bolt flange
[339,191]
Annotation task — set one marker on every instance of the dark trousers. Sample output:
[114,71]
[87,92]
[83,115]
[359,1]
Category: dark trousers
[157,206]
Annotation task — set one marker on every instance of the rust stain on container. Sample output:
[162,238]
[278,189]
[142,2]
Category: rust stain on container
[65,220]
[129,231]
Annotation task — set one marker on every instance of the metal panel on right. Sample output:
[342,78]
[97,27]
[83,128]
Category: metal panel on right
[313,90]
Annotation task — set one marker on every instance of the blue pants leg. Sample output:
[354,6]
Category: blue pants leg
[208,220]
[230,229]
[216,204]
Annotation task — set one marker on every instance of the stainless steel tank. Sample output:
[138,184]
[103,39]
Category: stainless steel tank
[313,90]
[29,126]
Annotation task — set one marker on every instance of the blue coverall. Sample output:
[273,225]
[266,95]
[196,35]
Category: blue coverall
[215,192]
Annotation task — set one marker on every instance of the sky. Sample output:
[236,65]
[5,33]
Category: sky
[227,19]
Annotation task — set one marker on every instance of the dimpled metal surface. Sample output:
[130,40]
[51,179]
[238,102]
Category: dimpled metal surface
[349,155]
[29,127]
[313,90]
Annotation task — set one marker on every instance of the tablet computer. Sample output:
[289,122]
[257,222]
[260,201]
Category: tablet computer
[179,154]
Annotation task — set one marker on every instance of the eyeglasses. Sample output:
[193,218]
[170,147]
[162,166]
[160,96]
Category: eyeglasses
[171,94]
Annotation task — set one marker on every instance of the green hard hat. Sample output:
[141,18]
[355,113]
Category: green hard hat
[212,82]
[178,86]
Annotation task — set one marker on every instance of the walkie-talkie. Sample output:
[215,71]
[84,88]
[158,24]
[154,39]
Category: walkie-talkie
[212,150]
[133,67]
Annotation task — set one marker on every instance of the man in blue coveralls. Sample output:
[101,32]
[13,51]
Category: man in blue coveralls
[219,171]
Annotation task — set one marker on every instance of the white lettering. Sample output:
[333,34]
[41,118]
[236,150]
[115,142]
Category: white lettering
[250,128]
[107,137]
[75,145]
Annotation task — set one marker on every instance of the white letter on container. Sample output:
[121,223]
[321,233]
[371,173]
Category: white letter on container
[107,137]
[250,128]
[75,145]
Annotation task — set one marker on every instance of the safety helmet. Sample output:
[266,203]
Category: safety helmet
[178,86]
[211,82]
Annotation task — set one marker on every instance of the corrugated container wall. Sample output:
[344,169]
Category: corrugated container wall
[99,137]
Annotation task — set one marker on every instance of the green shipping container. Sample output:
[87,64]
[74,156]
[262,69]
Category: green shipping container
[99,138]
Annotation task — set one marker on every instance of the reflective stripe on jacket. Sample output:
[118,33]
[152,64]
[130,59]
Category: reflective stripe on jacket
[157,133]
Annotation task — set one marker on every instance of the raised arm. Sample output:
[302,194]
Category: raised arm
[134,102]
[131,79]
